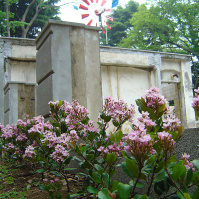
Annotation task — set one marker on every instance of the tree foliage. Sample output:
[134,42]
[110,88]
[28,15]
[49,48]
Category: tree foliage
[167,25]
[121,24]
[27,17]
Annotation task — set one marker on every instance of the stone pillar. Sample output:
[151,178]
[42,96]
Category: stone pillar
[19,99]
[68,66]
[187,112]
[5,51]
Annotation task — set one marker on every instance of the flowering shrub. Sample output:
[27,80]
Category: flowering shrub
[195,103]
[146,154]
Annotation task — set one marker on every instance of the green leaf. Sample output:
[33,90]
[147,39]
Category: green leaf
[196,194]
[90,157]
[143,107]
[189,176]
[124,190]
[68,160]
[96,177]
[92,189]
[56,173]
[129,173]
[103,194]
[161,108]
[139,185]
[179,172]
[180,195]
[196,164]
[140,197]
[41,170]
[42,187]
[174,135]
[114,186]
[85,121]
[110,159]
[196,178]
[132,166]
[83,148]
[70,169]
[115,123]
[172,159]
[105,117]
[118,136]
[187,196]
[162,186]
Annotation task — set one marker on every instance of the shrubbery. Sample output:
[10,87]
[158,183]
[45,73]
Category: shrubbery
[147,152]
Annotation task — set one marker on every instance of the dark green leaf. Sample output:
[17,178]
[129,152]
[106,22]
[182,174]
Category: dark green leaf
[196,194]
[110,159]
[41,170]
[118,136]
[179,172]
[56,173]
[196,164]
[161,187]
[189,176]
[129,173]
[124,190]
[103,194]
[96,177]
[70,169]
[42,187]
[114,186]
[132,166]
[92,190]
[140,197]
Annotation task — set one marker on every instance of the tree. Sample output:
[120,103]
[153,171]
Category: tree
[27,17]
[167,25]
[121,24]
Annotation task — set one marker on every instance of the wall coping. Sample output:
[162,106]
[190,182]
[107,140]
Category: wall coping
[19,41]
[165,55]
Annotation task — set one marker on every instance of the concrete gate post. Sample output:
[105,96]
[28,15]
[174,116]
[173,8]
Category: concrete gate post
[68,66]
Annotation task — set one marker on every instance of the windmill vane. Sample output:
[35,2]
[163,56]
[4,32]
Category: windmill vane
[95,12]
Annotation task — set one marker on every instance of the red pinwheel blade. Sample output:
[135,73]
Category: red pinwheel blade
[84,15]
[91,1]
[103,2]
[103,31]
[90,22]
[86,1]
[108,10]
[108,25]
[83,7]
[109,18]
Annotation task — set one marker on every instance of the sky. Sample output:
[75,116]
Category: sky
[68,13]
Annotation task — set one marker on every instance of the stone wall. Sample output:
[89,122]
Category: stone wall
[72,65]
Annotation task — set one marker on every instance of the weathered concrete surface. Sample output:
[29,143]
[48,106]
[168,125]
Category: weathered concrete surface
[68,58]
[128,73]
[17,66]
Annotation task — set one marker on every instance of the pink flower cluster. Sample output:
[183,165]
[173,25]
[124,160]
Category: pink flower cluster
[74,114]
[166,142]
[139,144]
[60,153]
[187,164]
[171,123]
[29,152]
[118,110]
[114,148]
[195,103]
[143,122]
[154,100]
